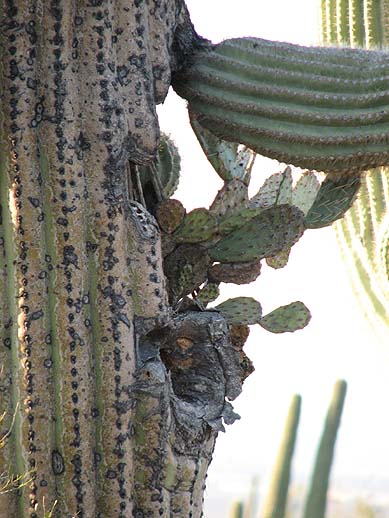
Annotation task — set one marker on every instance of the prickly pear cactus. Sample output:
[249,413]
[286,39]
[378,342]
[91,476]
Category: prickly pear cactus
[170,214]
[287,318]
[226,158]
[208,294]
[334,198]
[238,273]
[198,226]
[265,235]
[240,311]
[167,168]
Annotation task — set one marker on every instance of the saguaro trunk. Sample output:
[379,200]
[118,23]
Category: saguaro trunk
[96,420]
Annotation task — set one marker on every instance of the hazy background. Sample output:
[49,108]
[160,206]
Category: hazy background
[338,343]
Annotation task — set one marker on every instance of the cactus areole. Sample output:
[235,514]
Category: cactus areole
[112,401]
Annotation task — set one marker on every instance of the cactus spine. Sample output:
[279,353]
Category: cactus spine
[315,108]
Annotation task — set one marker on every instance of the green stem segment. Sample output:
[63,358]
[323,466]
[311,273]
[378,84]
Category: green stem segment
[317,496]
[319,108]
[275,505]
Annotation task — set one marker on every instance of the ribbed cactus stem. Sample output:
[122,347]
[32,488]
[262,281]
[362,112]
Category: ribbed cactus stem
[357,26]
[324,109]
[275,504]
[342,18]
[317,496]
[373,23]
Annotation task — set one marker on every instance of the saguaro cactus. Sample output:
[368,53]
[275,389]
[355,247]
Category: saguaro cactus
[323,109]
[86,397]
[94,365]
[275,505]
[363,233]
[316,501]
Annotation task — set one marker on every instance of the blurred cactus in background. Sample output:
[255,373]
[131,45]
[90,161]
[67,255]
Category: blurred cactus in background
[275,505]
[364,231]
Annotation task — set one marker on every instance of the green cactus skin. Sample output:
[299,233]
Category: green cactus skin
[237,510]
[324,109]
[241,310]
[279,260]
[276,190]
[265,235]
[305,191]
[199,225]
[276,499]
[363,232]
[286,319]
[168,167]
[228,161]
[208,294]
[231,198]
[186,269]
[315,506]
[334,198]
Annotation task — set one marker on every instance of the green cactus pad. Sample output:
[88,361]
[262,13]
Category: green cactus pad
[228,161]
[276,190]
[198,226]
[241,310]
[279,260]
[265,235]
[168,166]
[336,195]
[238,273]
[231,198]
[209,293]
[286,319]
[170,214]
[285,191]
[186,269]
[305,192]
[236,220]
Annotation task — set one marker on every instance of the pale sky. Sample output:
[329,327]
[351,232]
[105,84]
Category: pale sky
[338,342]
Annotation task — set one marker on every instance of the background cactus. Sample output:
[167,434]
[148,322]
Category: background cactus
[315,506]
[286,318]
[363,232]
[275,505]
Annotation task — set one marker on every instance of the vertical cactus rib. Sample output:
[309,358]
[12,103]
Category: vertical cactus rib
[317,108]
[362,233]
[373,23]
[342,23]
[275,505]
[27,284]
[315,505]
[357,26]
[332,28]
[10,464]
